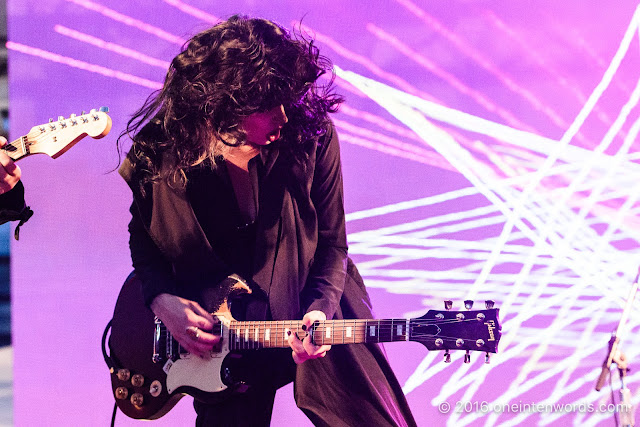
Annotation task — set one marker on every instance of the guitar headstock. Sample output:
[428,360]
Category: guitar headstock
[56,137]
[470,330]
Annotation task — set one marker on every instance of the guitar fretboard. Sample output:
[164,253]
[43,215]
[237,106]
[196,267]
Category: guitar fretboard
[274,334]
[17,149]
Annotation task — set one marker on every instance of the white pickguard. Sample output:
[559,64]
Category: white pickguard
[203,374]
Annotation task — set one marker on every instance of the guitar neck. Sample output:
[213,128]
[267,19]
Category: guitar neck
[274,334]
[17,149]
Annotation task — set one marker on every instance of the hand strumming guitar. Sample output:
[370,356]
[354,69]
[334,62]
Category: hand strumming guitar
[187,321]
[9,171]
[305,349]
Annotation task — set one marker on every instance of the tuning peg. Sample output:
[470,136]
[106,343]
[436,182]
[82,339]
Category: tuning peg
[104,109]
[50,120]
[93,110]
[486,358]
[468,304]
[447,356]
[448,304]
[489,303]
[84,112]
[467,357]
[60,118]
[72,115]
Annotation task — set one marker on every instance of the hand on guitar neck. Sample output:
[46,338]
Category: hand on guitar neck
[9,171]
[306,349]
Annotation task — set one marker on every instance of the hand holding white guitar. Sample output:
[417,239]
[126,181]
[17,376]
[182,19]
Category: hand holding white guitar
[9,171]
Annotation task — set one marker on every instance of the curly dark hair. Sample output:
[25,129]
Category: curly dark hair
[238,67]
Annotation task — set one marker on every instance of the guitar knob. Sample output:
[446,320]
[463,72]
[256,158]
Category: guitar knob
[121,393]
[468,304]
[467,357]
[489,304]
[155,389]
[137,380]
[123,374]
[104,109]
[447,356]
[137,399]
[448,304]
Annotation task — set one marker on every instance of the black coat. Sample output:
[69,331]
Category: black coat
[298,263]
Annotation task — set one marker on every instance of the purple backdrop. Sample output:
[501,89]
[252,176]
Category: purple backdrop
[488,153]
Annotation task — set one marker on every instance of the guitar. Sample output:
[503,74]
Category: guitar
[57,137]
[150,371]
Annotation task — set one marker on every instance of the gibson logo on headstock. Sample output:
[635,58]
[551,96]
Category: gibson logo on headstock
[491,325]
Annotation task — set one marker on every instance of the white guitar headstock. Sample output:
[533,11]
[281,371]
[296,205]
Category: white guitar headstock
[56,137]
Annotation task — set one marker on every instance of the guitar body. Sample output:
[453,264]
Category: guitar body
[166,381]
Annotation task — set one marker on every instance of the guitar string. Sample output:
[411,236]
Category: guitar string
[384,325]
[246,337]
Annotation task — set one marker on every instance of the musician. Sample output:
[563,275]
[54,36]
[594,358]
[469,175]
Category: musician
[12,205]
[235,169]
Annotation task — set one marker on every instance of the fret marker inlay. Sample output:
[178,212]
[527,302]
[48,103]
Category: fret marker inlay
[349,329]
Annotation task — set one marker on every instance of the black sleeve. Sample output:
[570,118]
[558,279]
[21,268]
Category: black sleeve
[13,207]
[325,283]
[151,266]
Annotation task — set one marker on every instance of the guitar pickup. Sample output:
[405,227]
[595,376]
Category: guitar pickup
[156,342]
